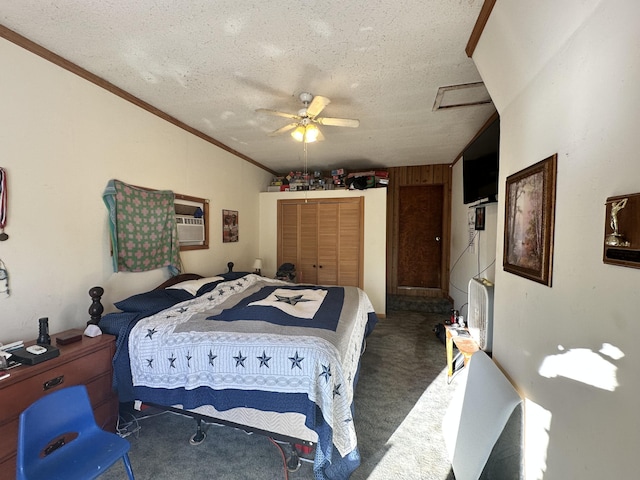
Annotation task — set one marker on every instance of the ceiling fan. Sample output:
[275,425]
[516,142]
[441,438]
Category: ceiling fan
[304,126]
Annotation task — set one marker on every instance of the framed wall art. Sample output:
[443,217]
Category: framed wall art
[229,226]
[479,223]
[529,221]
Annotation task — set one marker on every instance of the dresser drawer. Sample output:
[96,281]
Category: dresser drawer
[99,393]
[76,372]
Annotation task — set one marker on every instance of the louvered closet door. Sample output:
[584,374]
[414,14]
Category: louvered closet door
[288,235]
[308,244]
[328,243]
[328,239]
[349,248]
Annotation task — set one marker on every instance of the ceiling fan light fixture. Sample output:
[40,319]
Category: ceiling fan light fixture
[298,133]
[311,134]
[306,133]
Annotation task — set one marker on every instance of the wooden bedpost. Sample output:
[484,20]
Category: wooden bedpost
[230,267]
[96,308]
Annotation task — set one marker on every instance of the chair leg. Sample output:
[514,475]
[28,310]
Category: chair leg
[127,466]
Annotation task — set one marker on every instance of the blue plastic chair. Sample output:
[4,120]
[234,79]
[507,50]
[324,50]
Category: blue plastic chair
[58,438]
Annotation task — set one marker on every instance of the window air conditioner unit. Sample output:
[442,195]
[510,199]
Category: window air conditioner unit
[190,230]
[480,321]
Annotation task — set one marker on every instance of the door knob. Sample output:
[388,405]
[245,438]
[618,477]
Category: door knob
[437,239]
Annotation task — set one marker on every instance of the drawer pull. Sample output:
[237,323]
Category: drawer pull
[54,382]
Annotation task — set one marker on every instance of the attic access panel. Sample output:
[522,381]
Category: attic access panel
[462,95]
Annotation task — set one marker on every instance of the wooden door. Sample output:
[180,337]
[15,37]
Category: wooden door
[420,233]
[351,246]
[288,221]
[323,238]
[328,243]
[307,264]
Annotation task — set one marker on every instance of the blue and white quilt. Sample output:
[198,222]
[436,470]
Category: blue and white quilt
[261,343]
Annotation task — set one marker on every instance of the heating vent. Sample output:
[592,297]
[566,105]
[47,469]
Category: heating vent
[481,312]
[190,230]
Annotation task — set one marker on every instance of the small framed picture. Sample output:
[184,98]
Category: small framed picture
[230,226]
[480,218]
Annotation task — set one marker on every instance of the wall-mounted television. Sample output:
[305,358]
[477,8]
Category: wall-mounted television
[480,163]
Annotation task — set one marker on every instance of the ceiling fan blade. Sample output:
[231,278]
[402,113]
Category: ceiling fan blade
[280,114]
[317,105]
[338,122]
[284,129]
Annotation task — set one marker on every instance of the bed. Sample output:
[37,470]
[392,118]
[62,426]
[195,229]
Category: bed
[266,355]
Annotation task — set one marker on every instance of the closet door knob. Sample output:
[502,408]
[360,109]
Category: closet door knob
[437,239]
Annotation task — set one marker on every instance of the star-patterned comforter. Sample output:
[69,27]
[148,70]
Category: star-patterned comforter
[259,343]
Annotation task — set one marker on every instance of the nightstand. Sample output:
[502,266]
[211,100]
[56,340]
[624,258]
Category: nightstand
[465,344]
[85,362]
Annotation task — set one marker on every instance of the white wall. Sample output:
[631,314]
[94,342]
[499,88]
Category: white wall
[62,139]
[564,77]
[375,228]
[473,253]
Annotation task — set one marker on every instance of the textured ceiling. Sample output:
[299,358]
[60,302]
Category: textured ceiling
[211,64]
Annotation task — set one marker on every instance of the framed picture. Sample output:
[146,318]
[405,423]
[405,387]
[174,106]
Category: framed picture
[480,218]
[529,221]
[229,226]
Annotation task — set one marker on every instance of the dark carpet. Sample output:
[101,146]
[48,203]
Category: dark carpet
[401,398]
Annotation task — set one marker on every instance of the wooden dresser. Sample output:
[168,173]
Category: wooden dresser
[86,362]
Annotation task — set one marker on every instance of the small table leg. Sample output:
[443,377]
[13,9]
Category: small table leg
[449,345]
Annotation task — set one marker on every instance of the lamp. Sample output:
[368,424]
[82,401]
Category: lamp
[298,133]
[257,266]
[306,133]
[311,133]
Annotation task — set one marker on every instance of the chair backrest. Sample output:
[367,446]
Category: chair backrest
[52,422]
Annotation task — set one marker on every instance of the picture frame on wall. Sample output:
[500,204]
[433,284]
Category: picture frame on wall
[230,226]
[480,211]
[530,220]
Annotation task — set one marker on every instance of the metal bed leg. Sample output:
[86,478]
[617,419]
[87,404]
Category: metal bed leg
[198,437]
[293,462]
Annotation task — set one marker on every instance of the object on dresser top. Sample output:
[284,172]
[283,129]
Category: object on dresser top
[27,357]
[67,338]
[12,346]
[7,361]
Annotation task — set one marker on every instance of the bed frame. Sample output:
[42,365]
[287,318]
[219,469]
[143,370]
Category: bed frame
[292,461]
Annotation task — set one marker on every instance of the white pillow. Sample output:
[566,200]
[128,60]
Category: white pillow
[192,286]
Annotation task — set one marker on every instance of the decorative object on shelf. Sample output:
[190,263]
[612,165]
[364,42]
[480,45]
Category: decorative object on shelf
[257,266]
[530,220]
[3,204]
[622,231]
[615,238]
[229,226]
